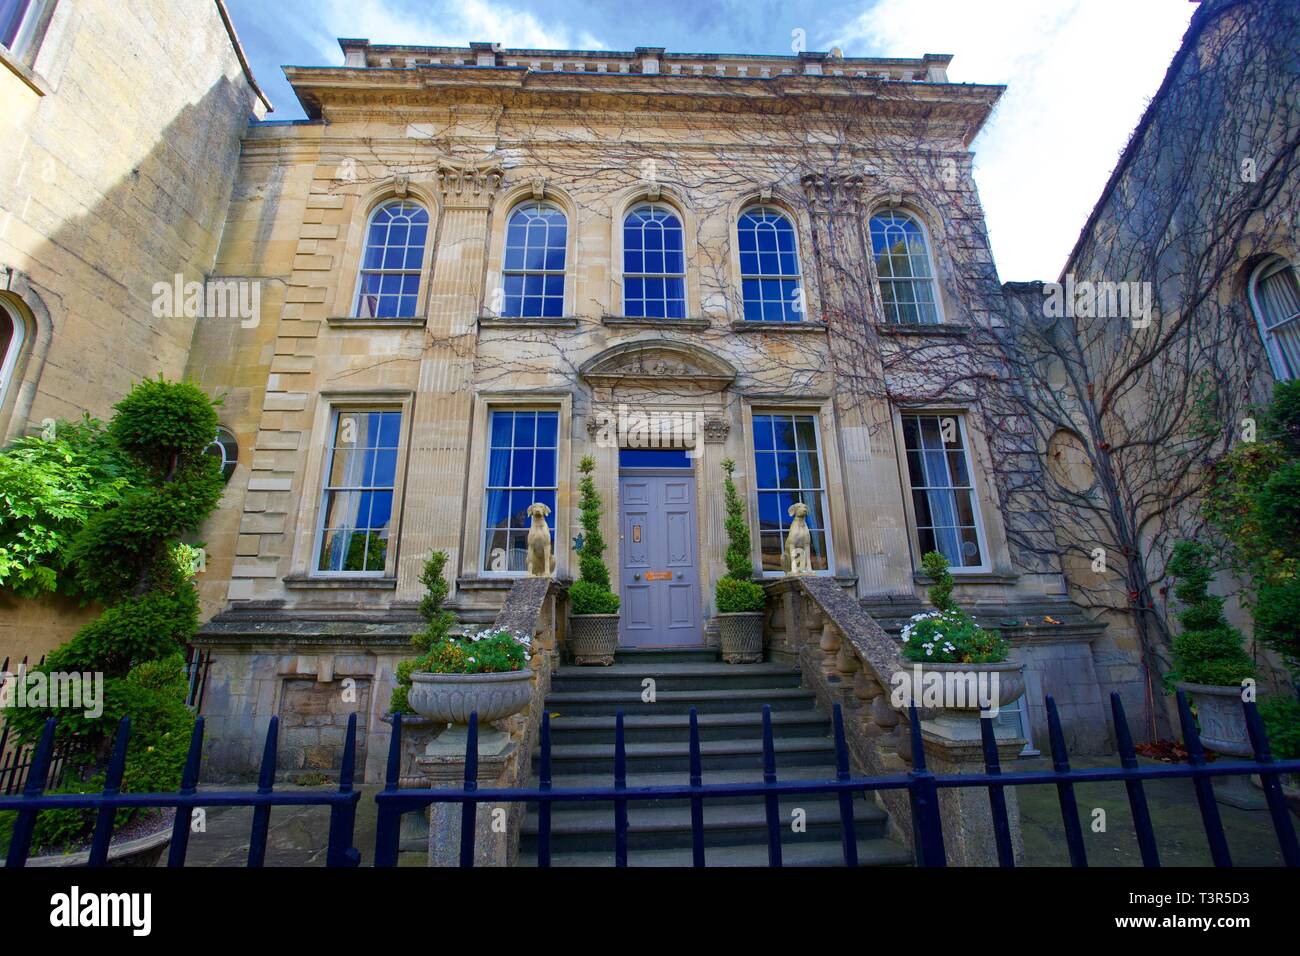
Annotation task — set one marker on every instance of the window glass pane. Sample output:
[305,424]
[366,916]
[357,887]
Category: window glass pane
[360,479]
[903,267]
[942,497]
[534,261]
[521,471]
[788,470]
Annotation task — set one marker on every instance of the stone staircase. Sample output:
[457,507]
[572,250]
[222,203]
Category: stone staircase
[729,700]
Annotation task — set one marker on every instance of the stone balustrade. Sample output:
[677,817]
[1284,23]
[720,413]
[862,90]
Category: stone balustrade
[847,658]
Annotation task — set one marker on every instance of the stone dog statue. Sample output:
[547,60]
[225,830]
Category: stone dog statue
[797,558]
[541,563]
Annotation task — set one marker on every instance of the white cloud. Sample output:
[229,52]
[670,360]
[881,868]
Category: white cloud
[449,24]
[1079,76]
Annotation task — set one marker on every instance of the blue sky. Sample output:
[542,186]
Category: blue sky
[1079,72]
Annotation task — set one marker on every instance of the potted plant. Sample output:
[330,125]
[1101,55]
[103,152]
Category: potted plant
[593,607]
[130,558]
[959,665]
[739,599]
[484,672]
[1211,666]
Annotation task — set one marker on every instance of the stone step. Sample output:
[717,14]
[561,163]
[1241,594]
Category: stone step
[871,852]
[654,827]
[599,700]
[666,655]
[644,723]
[675,757]
[674,676]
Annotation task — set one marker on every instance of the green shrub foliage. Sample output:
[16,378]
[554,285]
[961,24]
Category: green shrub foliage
[437,628]
[50,486]
[1208,650]
[737,592]
[592,589]
[129,556]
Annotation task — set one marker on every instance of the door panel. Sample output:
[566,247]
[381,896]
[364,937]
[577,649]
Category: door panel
[659,576]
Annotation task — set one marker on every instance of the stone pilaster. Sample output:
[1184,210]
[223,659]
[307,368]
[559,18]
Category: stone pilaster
[435,506]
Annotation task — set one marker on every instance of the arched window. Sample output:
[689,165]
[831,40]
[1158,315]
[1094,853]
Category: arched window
[12,332]
[769,266]
[1275,299]
[533,273]
[654,266]
[389,287]
[907,290]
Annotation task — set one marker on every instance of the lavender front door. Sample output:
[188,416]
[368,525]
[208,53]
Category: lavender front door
[660,581]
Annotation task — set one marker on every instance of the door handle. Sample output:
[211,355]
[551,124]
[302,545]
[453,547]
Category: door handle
[679,575]
[636,577]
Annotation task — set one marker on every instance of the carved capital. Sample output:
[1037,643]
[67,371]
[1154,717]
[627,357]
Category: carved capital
[838,187]
[469,184]
[716,430]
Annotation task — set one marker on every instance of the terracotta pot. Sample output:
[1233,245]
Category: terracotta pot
[741,636]
[593,638]
[451,698]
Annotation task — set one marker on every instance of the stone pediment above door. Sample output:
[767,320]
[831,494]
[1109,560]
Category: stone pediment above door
[668,365]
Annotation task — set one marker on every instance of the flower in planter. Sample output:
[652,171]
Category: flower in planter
[947,634]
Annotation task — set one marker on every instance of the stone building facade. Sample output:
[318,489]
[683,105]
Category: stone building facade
[480,265]
[120,129]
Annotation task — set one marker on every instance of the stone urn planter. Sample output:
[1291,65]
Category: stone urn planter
[593,638]
[966,686]
[451,698]
[1222,725]
[741,637]
[141,851]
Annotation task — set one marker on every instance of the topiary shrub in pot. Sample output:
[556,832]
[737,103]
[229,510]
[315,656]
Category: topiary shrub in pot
[738,598]
[129,557]
[1211,666]
[962,665]
[593,606]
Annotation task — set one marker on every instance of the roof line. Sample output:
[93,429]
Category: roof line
[239,52]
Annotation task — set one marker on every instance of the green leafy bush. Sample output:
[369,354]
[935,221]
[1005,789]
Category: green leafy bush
[437,629]
[483,652]
[1208,650]
[947,634]
[127,556]
[737,592]
[50,485]
[1281,716]
[738,597]
[586,597]
[592,589]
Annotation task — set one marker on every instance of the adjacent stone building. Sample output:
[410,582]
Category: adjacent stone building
[120,129]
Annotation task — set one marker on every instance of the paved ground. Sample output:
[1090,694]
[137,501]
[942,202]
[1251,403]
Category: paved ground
[297,836]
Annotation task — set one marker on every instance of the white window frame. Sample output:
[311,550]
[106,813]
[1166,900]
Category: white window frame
[981,533]
[418,272]
[798,261]
[31,31]
[1276,359]
[624,275]
[756,524]
[553,519]
[9,361]
[318,540]
[525,272]
[901,211]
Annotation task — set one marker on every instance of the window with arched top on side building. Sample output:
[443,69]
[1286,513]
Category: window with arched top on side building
[908,292]
[654,263]
[1275,299]
[393,261]
[12,334]
[537,235]
[769,266]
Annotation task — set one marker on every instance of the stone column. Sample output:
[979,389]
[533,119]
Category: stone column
[434,509]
